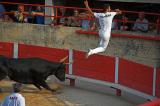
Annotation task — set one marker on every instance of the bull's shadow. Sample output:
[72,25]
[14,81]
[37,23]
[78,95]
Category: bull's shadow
[26,89]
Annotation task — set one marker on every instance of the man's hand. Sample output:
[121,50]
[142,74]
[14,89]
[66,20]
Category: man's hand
[88,8]
[118,11]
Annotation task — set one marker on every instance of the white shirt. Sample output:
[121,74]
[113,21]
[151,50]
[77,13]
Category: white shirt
[15,99]
[105,20]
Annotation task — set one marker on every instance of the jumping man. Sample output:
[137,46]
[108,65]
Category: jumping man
[105,20]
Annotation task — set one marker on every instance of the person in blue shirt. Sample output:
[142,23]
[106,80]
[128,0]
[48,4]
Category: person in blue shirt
[2,9]
[14,99]
[141,23]
[39,12]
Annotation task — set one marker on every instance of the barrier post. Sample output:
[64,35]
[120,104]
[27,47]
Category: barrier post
[72,80]
[70,61]
[48,11]
[154,81]
[116,69]
[15,50]
[118,91]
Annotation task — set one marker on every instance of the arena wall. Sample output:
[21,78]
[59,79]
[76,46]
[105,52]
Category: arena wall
[138,50]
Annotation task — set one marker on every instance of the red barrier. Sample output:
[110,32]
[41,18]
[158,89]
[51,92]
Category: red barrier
[6,49]
[136,76]
[158,83]
[153,103]
[97,66]
[50,54]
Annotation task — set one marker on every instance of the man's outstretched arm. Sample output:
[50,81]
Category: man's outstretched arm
[88,8]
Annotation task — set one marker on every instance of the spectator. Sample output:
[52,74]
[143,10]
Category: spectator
[158,25]
[85,21]
[20,14]
[7,18]
[15,99]
[74,20]
[124,24]
[114,25]
[62,19]
[2,9]
[141,23]
[39,12]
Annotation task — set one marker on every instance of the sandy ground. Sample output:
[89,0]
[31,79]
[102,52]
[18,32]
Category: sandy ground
[33,96]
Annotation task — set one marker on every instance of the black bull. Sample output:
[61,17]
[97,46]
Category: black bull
[31,70]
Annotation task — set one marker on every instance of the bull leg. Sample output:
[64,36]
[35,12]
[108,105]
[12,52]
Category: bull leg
[3,73]
[44,84]
[38,86]
[2,77]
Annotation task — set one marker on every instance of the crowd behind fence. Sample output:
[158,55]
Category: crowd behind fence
[79,17]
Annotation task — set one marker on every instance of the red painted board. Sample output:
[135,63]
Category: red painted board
[96,67]
[6,49]
[158,83]
[136,76]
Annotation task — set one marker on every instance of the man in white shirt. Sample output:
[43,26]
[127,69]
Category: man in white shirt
[105,20]
[15,99]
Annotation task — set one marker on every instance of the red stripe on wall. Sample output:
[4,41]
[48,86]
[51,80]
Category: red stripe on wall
[158,83]
[6,49]
[97,66]
[136,76]
[50,54]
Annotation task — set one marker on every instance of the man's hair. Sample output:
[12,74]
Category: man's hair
[17,87]
[105,6]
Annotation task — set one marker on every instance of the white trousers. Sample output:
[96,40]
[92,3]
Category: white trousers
[103,42]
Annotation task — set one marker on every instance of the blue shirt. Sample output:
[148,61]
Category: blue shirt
[142,25]
[2,9]
[15,99]
[85,24]
[39,19]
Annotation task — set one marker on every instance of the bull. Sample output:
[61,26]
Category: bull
[31,70]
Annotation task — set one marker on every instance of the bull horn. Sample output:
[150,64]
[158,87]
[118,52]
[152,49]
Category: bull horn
[62,60]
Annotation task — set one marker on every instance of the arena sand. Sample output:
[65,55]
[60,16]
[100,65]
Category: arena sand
[33,96]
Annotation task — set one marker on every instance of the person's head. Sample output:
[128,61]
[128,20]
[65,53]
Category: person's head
[124,17]
[76,13]
[106,8]
[20,8]
[62,10]
[39,8]
[141,15]
[17,87]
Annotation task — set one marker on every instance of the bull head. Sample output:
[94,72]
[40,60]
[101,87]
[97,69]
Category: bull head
[60,74]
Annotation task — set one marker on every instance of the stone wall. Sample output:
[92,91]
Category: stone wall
[141,51]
